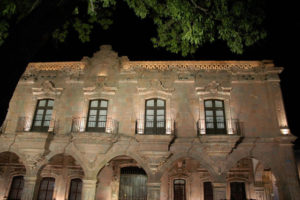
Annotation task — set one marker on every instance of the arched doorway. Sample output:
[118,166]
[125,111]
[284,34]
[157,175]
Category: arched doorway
[60,178]
[186,179]
[250,179]
[122,179]
[12,173]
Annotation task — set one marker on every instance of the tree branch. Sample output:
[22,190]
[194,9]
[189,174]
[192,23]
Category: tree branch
[205,10]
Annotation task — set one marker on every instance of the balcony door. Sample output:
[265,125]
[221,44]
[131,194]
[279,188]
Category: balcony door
[155,116]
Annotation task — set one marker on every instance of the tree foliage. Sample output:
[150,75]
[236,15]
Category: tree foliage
[182,26]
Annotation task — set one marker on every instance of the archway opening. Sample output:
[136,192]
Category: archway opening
[186,179]
[122,178]
[12,173]
[60,178]
[250,179]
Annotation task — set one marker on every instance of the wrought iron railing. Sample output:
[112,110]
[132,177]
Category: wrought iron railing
[230,127]
[151,127]
[79,124]
[24,124]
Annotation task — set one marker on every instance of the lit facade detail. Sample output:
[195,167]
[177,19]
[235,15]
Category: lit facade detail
[109,128]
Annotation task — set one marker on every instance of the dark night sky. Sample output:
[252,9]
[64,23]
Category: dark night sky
[130,36]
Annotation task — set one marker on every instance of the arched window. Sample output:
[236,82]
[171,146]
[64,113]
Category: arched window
[97,115]
[16,188]
[46,189]
[75,189]
[43,114]
[179,189]
[208,191]
[155,116]
[215,117]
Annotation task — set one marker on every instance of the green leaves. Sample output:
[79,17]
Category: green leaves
[182,26]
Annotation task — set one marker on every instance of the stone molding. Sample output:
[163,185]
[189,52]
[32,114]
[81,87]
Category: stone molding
[191,65]
[56,66]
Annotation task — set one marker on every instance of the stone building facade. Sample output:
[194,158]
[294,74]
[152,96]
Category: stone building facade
[109,128]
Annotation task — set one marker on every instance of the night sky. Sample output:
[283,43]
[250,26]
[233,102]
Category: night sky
[130,36]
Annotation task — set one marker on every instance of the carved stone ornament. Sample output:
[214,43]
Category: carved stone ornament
[47,89]
[213,87]
[156,85]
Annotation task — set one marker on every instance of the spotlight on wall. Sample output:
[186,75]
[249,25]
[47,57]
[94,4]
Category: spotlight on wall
[284,130]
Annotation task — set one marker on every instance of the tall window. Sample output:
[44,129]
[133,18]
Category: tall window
[215,117]
[208,191]
[155,116]
[46,189]
[43,114]
[75,189]
[16,188]
[179,189]
[97,115]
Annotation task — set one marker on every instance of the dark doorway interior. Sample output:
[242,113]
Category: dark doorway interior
[133,184]
[237,191]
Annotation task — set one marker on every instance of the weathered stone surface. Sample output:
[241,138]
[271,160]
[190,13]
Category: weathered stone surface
[255,149]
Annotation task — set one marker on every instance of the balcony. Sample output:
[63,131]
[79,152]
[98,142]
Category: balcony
[166,127]
[79,125]
[24,124]
[231,127]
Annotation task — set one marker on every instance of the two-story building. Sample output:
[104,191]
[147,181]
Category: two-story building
[108,128]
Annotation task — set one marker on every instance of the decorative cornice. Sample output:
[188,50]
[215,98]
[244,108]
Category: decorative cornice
[192,65]
[56,66]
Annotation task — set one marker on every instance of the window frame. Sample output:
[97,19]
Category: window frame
[98,109]
[49,179]
[45,108]
[215,130]
[155,130]
[19,189]
[76,193]
[184,188]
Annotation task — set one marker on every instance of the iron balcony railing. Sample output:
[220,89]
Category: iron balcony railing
[230,127]
[80,124]
[24,124]
[151,127]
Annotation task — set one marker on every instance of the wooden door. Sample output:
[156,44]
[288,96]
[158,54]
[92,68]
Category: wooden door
[133,184]
[237,191]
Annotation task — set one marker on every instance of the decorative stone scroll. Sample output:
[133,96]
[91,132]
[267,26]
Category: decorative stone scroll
[213,87]
[47,89]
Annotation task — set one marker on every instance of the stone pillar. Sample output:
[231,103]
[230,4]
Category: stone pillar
[288,184]
[153,191]
[219,190]
[88,189]
[29,187]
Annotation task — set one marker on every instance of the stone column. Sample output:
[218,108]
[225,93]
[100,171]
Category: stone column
[219,190]
[153,191]
[29,187]
[88,189]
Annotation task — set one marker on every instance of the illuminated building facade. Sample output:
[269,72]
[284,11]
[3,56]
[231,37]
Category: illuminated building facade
[109,128]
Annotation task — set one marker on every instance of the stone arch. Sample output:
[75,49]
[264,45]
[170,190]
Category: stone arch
[62,167]
[203,159]
[258,178]
[69,150]
[10,166]
[110,156]
[110,176]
